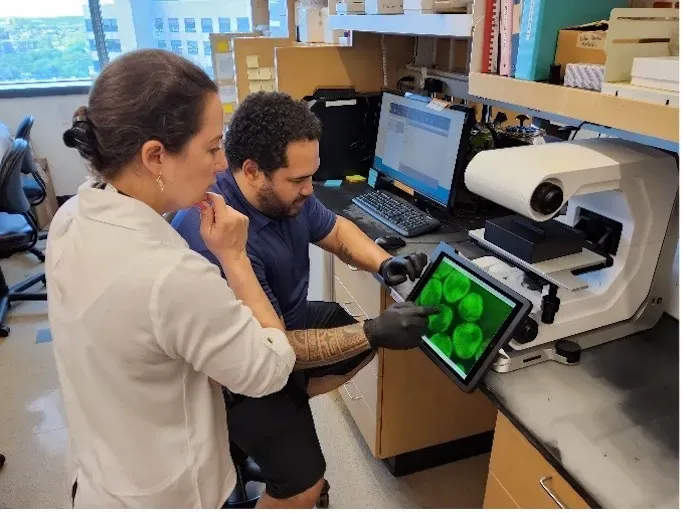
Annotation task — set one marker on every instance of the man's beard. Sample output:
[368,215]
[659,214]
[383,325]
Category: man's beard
[270,205]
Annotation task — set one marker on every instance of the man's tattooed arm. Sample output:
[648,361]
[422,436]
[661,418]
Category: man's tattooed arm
[315,348]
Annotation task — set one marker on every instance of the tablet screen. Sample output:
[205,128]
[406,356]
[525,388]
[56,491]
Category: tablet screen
[473,314]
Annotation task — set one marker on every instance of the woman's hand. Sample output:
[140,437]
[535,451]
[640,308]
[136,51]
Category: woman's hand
[223,229]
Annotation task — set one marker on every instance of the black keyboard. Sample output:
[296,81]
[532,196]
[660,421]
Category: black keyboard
[396,213]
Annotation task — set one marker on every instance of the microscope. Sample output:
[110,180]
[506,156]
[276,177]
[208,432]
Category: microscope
[592,245]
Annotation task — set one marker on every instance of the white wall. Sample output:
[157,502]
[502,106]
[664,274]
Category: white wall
[52,117]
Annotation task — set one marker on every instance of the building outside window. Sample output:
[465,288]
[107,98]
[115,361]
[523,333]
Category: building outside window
[176,46]
[224,25]
[62,43]
[109,25]
[243,24]
[113,45]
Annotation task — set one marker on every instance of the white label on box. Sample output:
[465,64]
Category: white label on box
[592,40]
[225,64]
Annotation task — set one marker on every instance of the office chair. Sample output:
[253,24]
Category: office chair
[18,230]
[34,186]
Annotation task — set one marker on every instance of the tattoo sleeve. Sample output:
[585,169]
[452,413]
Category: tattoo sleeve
[315,348]
[345,254]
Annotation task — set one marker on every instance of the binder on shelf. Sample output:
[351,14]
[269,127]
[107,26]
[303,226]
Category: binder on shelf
[506,36]
[515,35]
[540,25]
[491,36]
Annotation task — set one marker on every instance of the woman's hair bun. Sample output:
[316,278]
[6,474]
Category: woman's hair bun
[82,137]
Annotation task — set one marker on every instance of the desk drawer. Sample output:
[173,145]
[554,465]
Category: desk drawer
[496,497]
[361,413]
[525,474]
[367,384]
[365,290]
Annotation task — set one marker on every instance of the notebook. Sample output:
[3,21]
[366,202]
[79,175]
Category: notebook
[506,36]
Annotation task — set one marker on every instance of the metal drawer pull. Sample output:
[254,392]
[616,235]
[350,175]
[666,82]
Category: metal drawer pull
[345,307]
[545,487]
[345,387]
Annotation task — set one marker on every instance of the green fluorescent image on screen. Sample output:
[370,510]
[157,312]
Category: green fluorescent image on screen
[471,315]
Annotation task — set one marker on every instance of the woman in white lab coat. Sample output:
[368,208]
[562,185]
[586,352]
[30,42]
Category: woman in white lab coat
[144,329]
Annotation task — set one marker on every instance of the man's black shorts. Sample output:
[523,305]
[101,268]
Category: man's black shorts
[277,431]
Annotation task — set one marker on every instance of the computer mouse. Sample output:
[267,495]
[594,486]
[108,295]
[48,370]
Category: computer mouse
[390,242]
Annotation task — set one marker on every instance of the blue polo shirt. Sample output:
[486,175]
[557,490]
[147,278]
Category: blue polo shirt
[278,249]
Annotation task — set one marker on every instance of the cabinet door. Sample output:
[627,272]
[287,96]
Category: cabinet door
[496,497]
[526,475]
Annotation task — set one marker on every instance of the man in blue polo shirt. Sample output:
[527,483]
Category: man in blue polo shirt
[272,151]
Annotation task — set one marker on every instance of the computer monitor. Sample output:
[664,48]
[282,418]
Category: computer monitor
[478,316]
[422,147]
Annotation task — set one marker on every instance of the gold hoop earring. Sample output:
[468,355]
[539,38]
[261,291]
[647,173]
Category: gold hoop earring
[160,183]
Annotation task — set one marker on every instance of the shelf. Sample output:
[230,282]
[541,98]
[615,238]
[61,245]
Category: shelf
[449,25]
[636,117]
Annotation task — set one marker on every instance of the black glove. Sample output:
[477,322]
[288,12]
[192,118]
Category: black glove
[400,326]
[396,270]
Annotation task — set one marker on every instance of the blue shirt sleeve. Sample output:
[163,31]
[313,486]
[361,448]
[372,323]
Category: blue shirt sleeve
[321,220]
[186,223]
[259,270]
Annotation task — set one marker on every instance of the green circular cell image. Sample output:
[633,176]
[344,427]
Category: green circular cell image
[442,342]
[466,340]
[481,348]
[471,307]
[442,271]
[441,321]
[455,287]
[431,294]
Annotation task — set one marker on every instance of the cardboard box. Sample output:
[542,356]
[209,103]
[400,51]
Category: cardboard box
[311,25]
[47,209]
[383,6]
[581,44]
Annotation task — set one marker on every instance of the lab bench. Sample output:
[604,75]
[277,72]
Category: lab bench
[603,433]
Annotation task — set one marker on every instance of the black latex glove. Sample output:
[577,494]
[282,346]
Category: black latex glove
[398,269]
[400,326]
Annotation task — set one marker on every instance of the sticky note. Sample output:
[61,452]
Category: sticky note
[228,108]
[253,74]
[265,73]
[268,85]
[222,47]
[372,180]
[225,66]
[355,178]
[333,183]
[252,61]
[254,86]
[228,94]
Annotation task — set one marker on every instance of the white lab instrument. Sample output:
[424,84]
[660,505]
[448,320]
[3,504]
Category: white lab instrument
[623,196]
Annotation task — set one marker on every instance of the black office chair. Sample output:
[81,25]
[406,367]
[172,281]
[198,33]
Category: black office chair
[34,186]
[18,230]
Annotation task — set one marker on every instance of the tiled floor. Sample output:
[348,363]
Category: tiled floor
[34,439]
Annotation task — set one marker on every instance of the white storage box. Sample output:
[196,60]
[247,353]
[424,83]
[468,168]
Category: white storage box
[584,76]
[383,6]
[434,6]
[656,72]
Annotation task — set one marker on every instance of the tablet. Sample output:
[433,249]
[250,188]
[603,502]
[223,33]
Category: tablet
[479,314]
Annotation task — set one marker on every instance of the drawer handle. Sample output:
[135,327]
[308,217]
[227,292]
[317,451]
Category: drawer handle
[544,483]
[345,387]
[345,307]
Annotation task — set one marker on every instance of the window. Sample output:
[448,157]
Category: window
[109,25]
[47,40]
[176,46]
[223,25]
[209,70]
[243,25]
[158,28]
[113,45]
[207,25]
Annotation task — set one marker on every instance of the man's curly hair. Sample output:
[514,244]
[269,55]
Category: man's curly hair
[264,125]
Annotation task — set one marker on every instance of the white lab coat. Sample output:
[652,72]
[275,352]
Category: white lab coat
[139,324]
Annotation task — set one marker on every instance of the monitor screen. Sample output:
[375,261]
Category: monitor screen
[418,145]
[473,314]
